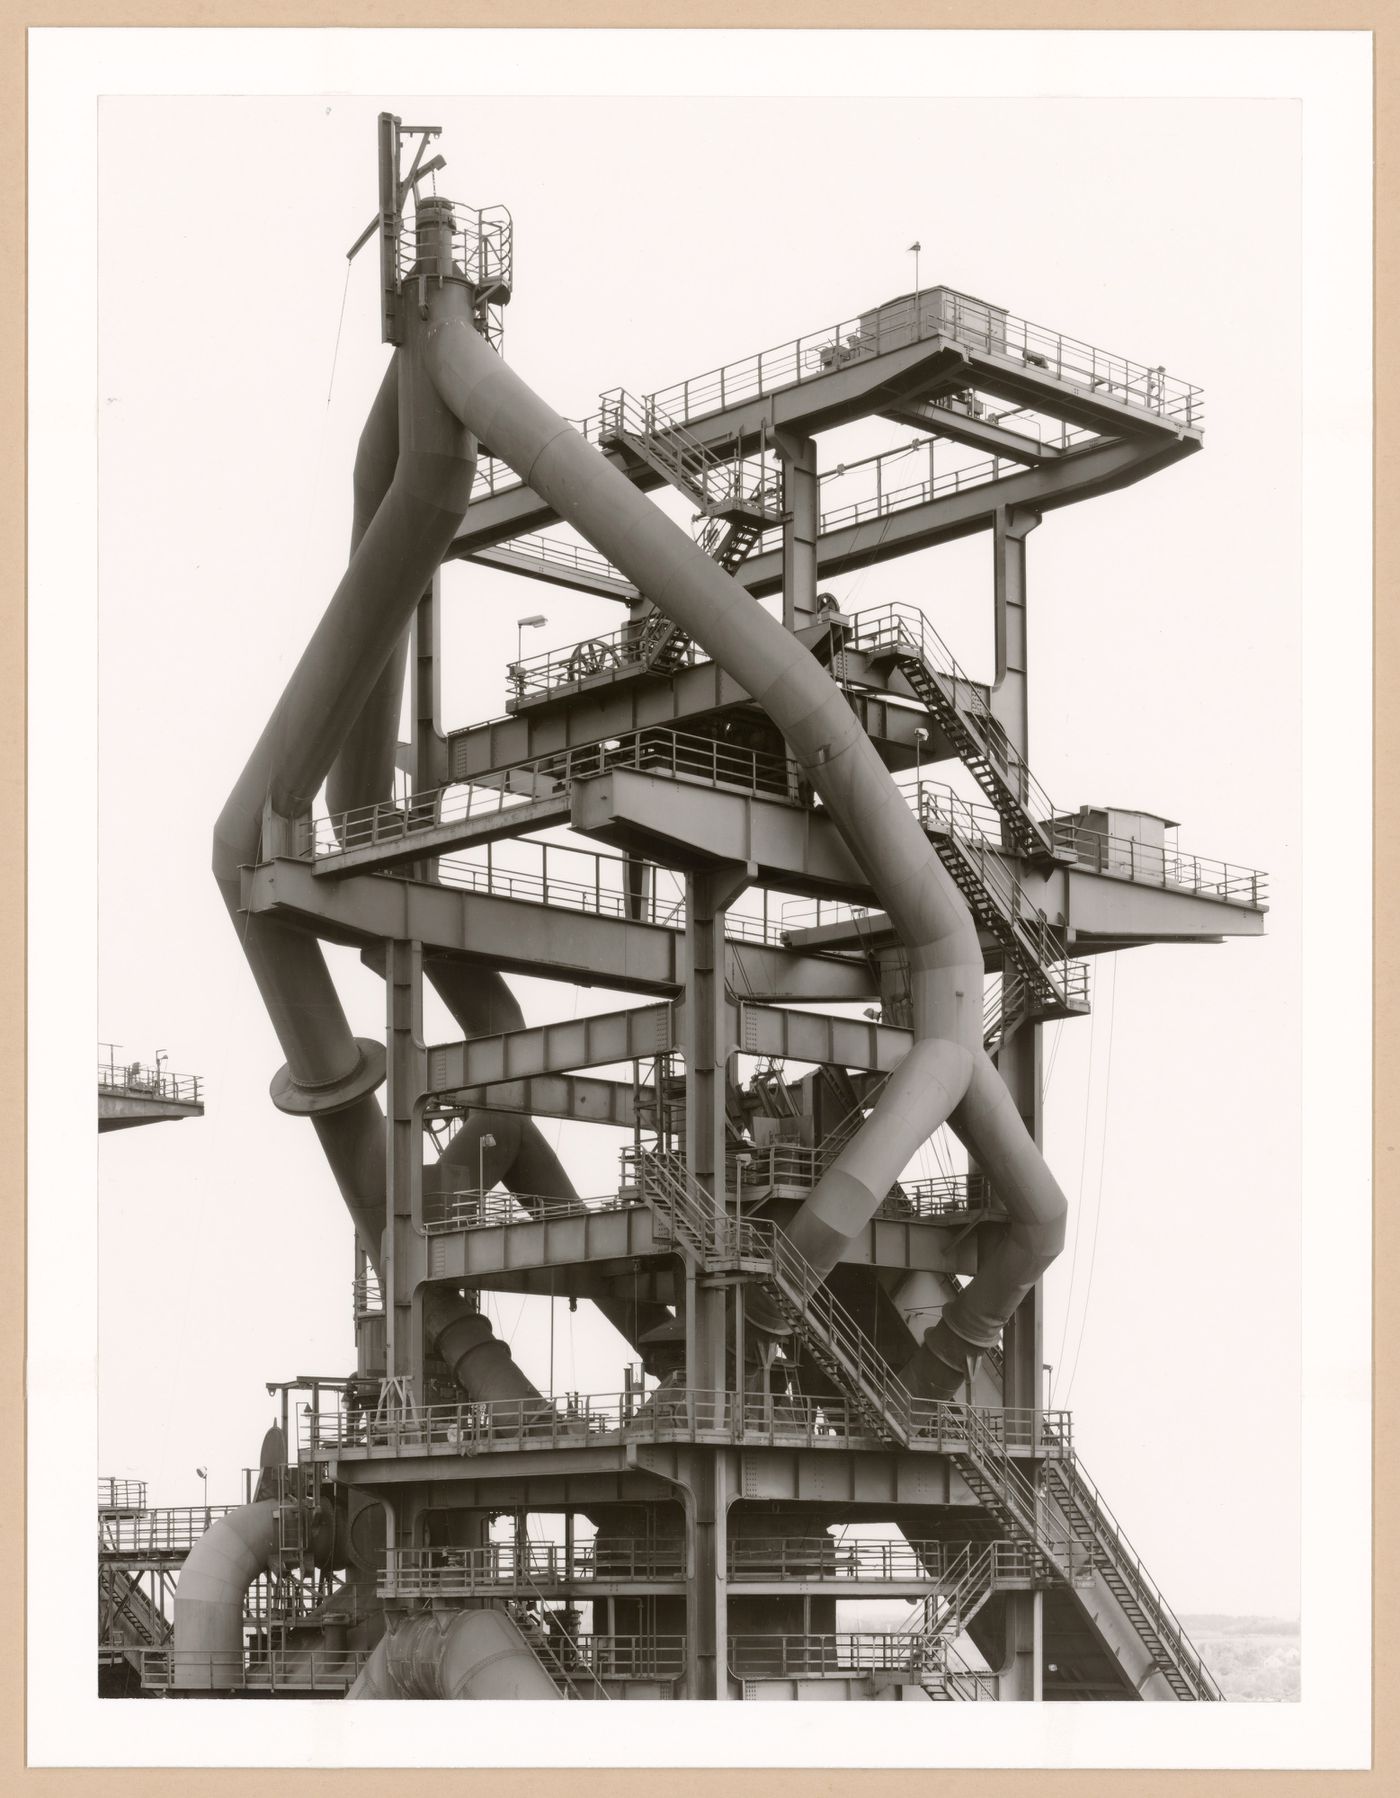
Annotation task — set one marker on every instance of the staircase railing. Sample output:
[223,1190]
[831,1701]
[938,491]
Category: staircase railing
[965,851]
[1013,789]
[838,1342]
[1078,1495]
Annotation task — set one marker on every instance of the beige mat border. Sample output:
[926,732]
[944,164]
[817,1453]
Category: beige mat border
[1384,21]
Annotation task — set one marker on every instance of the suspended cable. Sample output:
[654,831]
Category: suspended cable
[1098,1201]
[340,323]
[1078,1206]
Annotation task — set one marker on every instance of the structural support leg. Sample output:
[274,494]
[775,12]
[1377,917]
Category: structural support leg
[407,1081]
[1019,1061]
[801,503]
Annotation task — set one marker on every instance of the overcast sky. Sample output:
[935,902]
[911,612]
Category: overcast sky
[656,239]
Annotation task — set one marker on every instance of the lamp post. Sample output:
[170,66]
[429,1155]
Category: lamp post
[920,738]
[532,623]
[203,1473]
[913,251]
[487,1142]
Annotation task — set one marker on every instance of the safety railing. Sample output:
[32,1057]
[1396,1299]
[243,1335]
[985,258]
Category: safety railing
[121,1495]
[878,1560]
[472,1209]
[367,1294]
[895,325]
[169,1531]
[1077,1493]
[799,1168]
[610,1659]
[717,484]
[939,312]
[654,750]
[559,555]
[1151,864]
[670,1413]
[478,244]
[904,630]
[139,1080]
[584,880]
[464,1572]
[254,1669]
[869,1383]
[626,647]
[842,1654]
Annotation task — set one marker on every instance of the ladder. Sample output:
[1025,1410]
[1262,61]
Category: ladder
[903,636]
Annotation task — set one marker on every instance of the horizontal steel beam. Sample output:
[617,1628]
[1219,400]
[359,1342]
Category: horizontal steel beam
[951,419]
[575,1097]
[605,1040]
[630,700]
[523,936]
[820,1037]
[611,1038]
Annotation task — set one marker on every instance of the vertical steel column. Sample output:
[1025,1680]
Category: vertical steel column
[801,504]
[706,1047]
[429,746]
[1019,1062]
[708,1479]
[407,1081]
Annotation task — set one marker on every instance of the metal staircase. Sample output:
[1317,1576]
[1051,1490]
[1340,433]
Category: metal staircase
[998,904]
[901,634]
[737,507]
[1112,1557]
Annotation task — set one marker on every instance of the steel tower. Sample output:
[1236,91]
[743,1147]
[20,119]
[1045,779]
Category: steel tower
[732,815]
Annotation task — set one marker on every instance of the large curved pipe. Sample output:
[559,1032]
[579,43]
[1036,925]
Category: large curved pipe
[946,1061]
[468,1654]
[402,529]
[208,1621]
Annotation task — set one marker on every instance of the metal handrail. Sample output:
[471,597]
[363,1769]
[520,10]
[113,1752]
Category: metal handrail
[876,1559]
[840,1653]
[894,325]
[718,1239]
[167,1530]
[255,1669]
[795,1165]
[902,627]
[481,244]
[121,1495]
[424,1572]
[1143,863]
[626,1658]
[1069,1473]
[469,1208]
[669,1413]
[137,1080]
[653,750]
[658,903]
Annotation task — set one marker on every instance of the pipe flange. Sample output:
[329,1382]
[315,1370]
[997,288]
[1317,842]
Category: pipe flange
[300,1101]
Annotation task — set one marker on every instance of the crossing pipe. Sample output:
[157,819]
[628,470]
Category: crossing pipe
[413,476]
[946,1075]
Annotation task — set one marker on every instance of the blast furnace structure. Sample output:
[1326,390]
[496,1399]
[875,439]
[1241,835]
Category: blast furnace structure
[805,849]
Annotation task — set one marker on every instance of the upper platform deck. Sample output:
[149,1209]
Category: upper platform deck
[933,358]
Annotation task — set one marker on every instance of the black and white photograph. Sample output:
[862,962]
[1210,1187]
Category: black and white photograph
[718,686]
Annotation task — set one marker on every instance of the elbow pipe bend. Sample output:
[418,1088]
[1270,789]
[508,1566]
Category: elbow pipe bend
[330,1074]
[996,1136]
[469,1655]
[208,1621]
